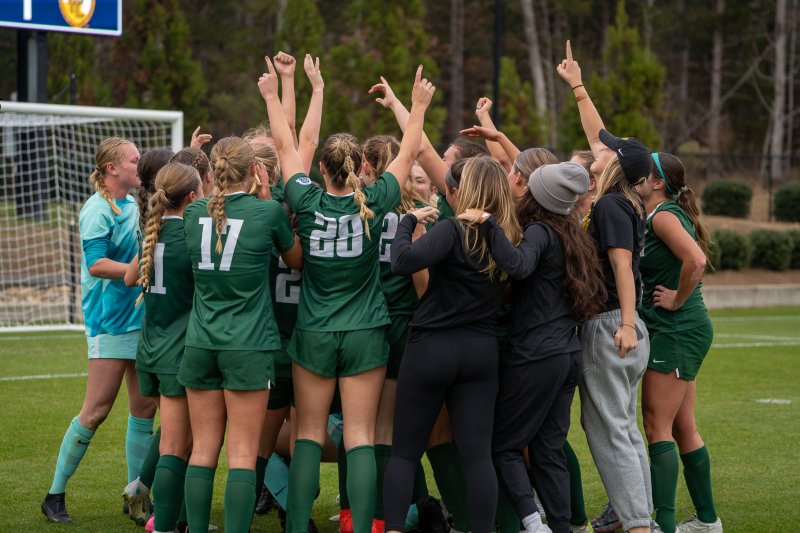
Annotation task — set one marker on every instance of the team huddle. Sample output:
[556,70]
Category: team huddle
[409,304]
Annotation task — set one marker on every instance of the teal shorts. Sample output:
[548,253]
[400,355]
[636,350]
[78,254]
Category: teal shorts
[106,346]
[206,369]
[340,353]
[681,352]
[154,384]
[396,337]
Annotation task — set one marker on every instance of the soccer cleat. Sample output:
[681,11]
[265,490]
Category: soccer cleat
[607,521]
[151,524]
[265,503]
[695,525]
[54,508]
[137,496]
[345,521]
[585,528]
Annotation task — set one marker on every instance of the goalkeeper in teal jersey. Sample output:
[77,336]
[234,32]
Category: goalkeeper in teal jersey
[164,272]
[342,315]
[227,367]
[109,228]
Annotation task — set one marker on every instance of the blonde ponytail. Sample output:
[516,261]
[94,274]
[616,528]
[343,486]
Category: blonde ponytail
[158,205]
[98,181]
[108,152]
[360,198]
[231,159]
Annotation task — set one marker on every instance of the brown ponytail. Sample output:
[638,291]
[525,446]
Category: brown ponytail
[231,159]
[149,164]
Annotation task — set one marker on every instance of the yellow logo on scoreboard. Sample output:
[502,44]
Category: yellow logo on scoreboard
[77,13]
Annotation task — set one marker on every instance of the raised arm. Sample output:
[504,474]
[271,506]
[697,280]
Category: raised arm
[431,163]
[309,133]
[281,133]
[482,110]
[497,138]
[409,146]
[570,71]
[284,64]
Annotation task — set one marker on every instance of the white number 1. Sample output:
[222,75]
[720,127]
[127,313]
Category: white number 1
[232,229]
[158,266]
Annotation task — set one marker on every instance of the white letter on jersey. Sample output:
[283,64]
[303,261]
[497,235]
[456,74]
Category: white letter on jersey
[158,266]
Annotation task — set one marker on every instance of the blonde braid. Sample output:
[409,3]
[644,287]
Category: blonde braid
[216,205]
[360,198]
[158,205]
[98,181]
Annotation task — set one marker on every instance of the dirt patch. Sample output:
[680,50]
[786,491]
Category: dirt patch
[744,226]
[752,276]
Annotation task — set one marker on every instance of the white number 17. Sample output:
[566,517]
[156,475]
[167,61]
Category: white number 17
[232,229]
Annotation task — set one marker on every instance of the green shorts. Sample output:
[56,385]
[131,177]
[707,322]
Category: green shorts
[157,384]
[396,337]
[106,346]
[340,353]
[206,369]
[681,352]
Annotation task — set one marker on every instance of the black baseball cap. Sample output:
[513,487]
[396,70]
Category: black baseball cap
[633,155]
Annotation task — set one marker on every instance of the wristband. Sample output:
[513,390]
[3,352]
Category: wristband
[581,85]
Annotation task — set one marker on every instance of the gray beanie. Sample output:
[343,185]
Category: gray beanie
[557,187]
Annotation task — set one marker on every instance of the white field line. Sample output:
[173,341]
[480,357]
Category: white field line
[754,318]
[44,376]
[4,338]
[755,344]
[759,337]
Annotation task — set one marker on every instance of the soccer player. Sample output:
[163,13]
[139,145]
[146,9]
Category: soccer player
[227,367]
[110,233]
[673,262]
[164,272]
[198,159]
[341,322]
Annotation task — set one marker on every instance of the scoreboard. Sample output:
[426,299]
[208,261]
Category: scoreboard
[96,17]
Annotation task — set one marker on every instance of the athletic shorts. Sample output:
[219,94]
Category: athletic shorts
[154,384]
[396,337]
[206,369]
[106,346]
[681,352]
[340,353]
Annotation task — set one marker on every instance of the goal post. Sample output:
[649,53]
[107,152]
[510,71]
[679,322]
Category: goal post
[46,157]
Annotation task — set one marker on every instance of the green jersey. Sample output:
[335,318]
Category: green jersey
[168,301]
[276,191]
[445,211]
[232,308]
[284,285]
[341,279]
[399,291]
[659,266]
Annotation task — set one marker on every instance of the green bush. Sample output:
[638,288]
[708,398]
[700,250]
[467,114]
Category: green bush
[727,198]
[795,236]
[786,202]
[730,251]
[771,249]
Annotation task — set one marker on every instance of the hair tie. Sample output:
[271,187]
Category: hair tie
[683,190]
[161,189]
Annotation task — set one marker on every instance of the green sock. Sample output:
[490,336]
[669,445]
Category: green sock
[240,500]
[507,518]
[182,516]
[73,447]
[168,490]
[361,484]
[277,480]
[344,502]
[261,471]
[197,490]
[420,484]
[303,484]
[576,502]
[137,443]
[382,454]
[697,472]
[148,472]
[448,470]
[664,479]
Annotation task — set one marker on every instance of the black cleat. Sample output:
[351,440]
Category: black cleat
[55,509]
[265,503]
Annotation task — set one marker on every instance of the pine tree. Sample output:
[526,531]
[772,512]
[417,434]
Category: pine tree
[70,53]
[521,121]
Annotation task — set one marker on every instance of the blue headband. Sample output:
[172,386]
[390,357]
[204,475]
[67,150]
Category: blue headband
[660,171]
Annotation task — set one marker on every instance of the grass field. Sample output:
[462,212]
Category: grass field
[749,415]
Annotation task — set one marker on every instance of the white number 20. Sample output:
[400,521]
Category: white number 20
[232,229]
[340,237]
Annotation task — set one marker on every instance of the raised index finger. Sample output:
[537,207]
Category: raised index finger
[418,77]
[569,51]
[270,68]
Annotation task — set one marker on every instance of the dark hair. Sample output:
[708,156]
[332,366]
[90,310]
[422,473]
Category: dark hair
[467,149]
[194,157]
[583,278]
[149,164]
[675,178]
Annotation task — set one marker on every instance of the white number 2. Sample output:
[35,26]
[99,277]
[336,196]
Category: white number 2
[390,223]
[340,237]
[287,284]
[232,229]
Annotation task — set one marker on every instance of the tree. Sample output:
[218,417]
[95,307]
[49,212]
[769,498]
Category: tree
[523,122]
[70,53]
[779,97]
[716,83]
[534,56]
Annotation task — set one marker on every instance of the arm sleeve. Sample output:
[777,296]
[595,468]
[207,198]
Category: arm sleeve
[431,249]
[613,224]
[95,249]
[518,262]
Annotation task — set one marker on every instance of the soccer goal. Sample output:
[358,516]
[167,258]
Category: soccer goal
[47,156]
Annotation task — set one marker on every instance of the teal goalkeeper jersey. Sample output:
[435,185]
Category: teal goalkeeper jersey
[341,288]
[232,308]
[167,301]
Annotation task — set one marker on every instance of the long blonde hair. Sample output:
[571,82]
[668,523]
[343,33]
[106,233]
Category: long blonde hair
[613,180]
[108,152]
[266,155]
[173,183]
[231,159]
[341,154]
[484,186]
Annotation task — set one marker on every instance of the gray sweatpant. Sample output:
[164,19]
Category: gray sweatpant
[608,415]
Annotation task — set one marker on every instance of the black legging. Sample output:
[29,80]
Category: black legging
[459,367]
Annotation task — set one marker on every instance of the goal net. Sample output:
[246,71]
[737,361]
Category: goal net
[46,157]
